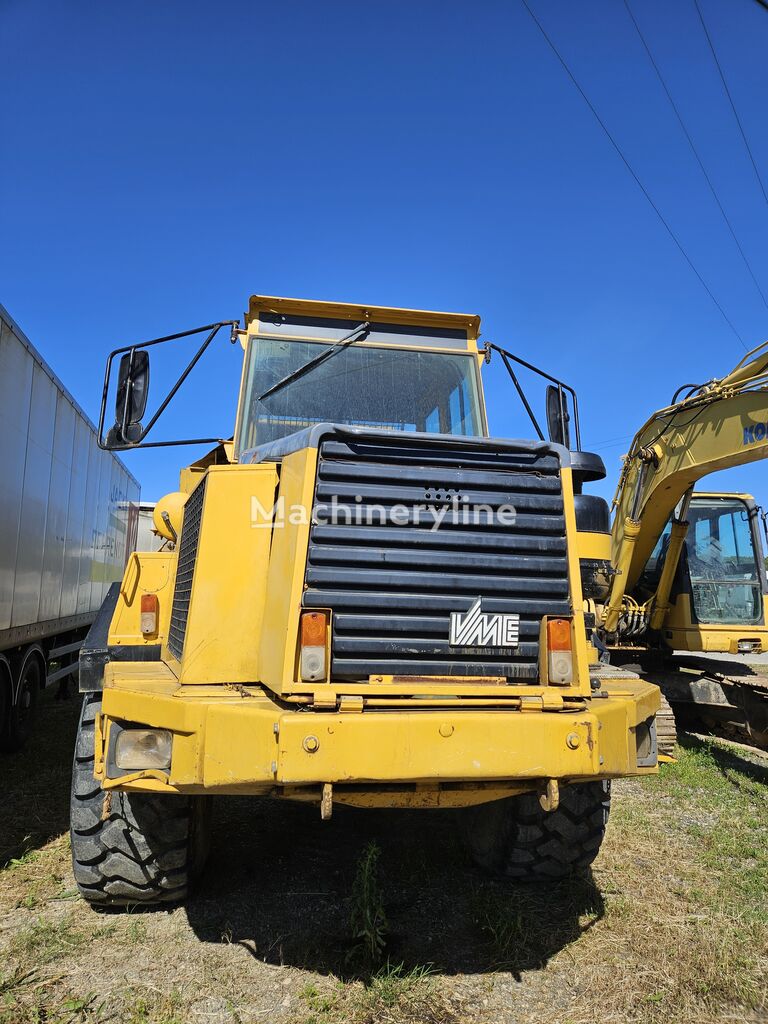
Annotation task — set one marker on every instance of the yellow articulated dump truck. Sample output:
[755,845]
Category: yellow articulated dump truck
[364,600]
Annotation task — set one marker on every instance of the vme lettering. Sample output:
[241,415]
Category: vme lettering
[755,432]
[478,629]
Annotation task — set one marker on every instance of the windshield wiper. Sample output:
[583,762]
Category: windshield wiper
[345,342]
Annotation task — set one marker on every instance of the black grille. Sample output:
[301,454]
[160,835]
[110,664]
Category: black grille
[392,587]
[190,535]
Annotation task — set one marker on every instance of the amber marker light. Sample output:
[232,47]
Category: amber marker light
[149,608]
[559,651]
[314,632]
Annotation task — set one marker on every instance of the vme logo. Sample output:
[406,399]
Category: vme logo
[755,432]
[475,628]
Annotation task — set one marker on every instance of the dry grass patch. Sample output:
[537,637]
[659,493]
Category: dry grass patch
[393,995]
[670,928]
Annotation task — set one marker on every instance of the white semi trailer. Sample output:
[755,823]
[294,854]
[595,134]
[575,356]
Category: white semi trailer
[68,520]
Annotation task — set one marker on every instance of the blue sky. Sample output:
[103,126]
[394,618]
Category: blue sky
[162,161]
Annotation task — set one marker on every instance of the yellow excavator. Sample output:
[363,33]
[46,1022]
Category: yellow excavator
[687,572]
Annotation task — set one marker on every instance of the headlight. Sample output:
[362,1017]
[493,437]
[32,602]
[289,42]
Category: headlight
[137,749]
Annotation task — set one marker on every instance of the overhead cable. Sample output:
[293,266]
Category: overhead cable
[695,152]
[730,100]
[631,170]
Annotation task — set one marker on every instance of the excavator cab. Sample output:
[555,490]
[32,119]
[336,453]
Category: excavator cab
[718,599]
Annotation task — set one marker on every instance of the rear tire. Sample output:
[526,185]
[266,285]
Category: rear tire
[6,696]
[131,848]
[516,838]
[22,713]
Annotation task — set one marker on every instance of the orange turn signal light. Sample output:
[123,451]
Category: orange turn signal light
[559,634]
[149,609]
[314,626]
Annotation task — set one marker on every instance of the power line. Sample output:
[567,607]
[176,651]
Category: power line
[629,167]
[695,152]
[730,100]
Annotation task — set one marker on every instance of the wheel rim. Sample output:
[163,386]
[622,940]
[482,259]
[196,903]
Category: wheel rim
[28,687]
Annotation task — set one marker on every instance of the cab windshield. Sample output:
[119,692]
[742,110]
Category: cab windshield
[725,581]
[721,556]
[390,388]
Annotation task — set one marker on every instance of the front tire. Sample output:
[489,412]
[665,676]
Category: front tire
[516,838]
[130,848]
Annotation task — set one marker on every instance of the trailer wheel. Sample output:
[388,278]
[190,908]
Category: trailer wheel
[27,684]
[131,848]
[516,838]
[6,696]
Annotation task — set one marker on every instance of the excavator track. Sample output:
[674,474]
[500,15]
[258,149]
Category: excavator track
[728,698]
[666,729]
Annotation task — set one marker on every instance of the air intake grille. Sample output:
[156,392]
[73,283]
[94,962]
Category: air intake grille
[392,587]
[190,535]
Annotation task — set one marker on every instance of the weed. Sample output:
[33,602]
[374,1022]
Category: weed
[402,996]
[321,1004]
[367,920]
[137,932]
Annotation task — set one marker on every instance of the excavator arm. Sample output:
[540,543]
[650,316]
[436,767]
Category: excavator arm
[717,425]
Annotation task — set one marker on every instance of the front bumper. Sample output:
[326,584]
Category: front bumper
[231,741]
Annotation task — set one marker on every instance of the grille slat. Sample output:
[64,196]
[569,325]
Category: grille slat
[392,585]
[442,560]
[375,601]
[364,493]
[462,539]
[416,627]
[453,479]
[530,523]
[441,582]
[185,570]
[405,452]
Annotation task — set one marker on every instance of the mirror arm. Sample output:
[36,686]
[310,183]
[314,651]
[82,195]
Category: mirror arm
[523,398]
[490,347]
[190,366]
[213,329]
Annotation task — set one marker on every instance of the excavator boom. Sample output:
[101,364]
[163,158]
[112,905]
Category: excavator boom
[721,424]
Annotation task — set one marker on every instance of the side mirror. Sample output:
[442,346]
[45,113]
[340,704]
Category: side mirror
[558,418]
[132,394]
[133,391]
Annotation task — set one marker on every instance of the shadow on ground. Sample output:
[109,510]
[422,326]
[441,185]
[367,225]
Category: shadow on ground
[733,765]
[279,879]
[279,883]
[35,781]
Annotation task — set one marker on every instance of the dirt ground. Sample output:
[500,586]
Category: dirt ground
[671,925]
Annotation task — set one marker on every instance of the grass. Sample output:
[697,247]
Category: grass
[686,874]
[671,927]
[517,923]
[393,995]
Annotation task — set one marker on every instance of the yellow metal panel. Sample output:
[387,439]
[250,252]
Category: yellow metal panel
[285,577]
[236,743]
[147,572]
[229,584]
[416,746]
[581,657]
[351,311]
[687,635]
[594,545]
